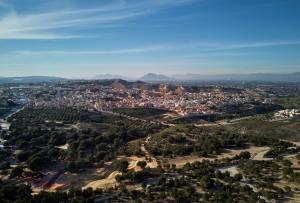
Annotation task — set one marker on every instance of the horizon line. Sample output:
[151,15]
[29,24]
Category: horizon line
[138,77]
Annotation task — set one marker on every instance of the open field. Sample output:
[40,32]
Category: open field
[106,183]
[230,153]
[286,129]
[68,180]
[103,178]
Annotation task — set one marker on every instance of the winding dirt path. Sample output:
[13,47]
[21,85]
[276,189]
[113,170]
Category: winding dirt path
[259,156]
[151,161]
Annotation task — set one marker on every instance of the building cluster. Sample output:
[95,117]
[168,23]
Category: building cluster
[184,100]
[287,113]
[180,100]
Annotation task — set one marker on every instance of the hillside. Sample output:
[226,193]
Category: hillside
[152,77]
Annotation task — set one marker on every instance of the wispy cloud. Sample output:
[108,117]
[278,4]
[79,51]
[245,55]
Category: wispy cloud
[199,49]
[258,44]
[103,52]
[233,45]
[223,49]
[38,36]
[49,24]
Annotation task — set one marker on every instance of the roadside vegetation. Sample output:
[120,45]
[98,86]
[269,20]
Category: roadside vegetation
[141,112]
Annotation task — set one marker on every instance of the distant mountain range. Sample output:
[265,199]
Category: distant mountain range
[110,76]
[152,77]
[30,79]
[123,84]
[264,77]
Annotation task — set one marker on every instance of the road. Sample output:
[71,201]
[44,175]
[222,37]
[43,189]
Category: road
[6,125]
[260,156]
[153,163]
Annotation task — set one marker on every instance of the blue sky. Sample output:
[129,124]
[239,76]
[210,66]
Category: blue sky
[75,38]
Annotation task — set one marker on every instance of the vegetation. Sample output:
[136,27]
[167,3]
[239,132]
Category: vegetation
[290,102]
[42,114]
[230,112]
[39,132]
[205,141]
[10,193]
[92,138]
[261,127]
[6,105]
[141,112]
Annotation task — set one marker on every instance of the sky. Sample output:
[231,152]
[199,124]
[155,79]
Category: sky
[80,39]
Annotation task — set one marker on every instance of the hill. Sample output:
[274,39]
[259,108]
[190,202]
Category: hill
[152,77]
[30,79]
[123,84]
[110,76]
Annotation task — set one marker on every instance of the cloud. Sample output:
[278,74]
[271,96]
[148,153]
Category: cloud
[199,49]
[38,36]
[50,24]
[233,45]
[215,48]
[103,52]
[257,44]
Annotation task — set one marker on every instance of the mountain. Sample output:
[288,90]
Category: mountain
[265,77]
[110,76]
[152,77]
[30,79]
[122,84]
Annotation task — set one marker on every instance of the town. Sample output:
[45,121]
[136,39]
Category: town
[149,101]
[109,134]
[115,94]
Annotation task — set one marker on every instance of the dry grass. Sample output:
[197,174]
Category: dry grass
[106,183]
[68,180]
[181,161]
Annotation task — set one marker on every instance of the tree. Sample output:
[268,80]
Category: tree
[142,164]
[23,155]
[16,172]
[122,165]
[206,182]
[238,177]
[38,162]
[11,193]
[57,139]
[119,178]
[245,155]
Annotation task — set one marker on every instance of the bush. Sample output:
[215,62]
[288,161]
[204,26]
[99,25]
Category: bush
[122,165]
